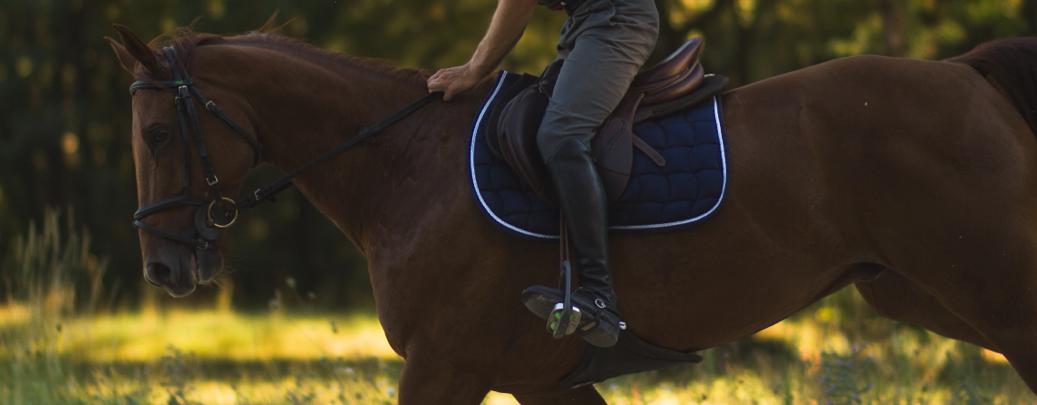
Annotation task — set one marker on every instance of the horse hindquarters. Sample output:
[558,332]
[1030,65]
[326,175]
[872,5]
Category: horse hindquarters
[924,168]
[947,173]
[991,289]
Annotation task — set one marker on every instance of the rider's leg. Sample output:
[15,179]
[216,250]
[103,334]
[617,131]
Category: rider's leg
[581,199]
[597,71]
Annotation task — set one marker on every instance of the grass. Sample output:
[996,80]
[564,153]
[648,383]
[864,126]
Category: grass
[211,357]
[57,348]
[222,357]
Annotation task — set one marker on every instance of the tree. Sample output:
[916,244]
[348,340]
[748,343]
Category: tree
[64,110]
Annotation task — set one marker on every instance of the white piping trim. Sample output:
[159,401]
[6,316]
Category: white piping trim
[471,164]
[723,188]
[486,208]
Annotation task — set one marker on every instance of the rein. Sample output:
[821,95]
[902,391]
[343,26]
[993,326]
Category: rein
[267,192]
[210,219]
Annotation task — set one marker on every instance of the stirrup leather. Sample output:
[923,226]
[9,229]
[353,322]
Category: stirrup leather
[567,311]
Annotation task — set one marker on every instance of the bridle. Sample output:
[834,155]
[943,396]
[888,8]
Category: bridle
[210,220]
[208,226]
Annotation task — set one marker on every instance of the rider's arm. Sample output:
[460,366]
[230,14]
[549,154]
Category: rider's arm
[509,21]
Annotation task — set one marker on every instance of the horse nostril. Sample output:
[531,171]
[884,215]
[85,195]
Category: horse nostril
[158,274]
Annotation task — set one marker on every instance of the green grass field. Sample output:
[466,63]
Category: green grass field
[53,352]
[222,357]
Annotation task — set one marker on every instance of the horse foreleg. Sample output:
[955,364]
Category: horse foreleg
[585,395]
[895,297]
[437,380]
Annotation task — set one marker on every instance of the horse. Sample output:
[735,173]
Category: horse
[914,180]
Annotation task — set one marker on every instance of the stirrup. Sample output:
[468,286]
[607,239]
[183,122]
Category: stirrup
[546,303]
[554,319]
[598,326]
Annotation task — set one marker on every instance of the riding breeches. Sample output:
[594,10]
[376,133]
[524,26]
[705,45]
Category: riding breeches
[603,43]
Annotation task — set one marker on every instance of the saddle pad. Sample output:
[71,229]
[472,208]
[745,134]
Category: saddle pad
[687,190]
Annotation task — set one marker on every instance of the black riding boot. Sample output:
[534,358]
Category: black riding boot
[582,200]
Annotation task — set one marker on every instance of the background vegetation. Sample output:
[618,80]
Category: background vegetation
[71,275]
[64,107]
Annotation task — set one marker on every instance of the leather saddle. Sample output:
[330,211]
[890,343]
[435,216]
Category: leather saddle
[674,84]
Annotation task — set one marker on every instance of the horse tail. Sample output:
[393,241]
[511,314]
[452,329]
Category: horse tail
[1011,64]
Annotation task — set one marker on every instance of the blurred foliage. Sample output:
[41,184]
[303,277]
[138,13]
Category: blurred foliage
[238,357]
[53,270]
[64,110]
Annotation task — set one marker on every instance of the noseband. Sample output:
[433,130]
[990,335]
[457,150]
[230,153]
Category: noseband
[210,220]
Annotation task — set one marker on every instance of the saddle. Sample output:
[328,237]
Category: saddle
[672,85]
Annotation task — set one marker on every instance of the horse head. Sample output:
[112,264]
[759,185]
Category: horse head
[184,179]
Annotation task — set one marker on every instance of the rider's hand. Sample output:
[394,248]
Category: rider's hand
[453,80]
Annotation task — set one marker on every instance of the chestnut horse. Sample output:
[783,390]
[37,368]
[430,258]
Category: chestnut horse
[921,175]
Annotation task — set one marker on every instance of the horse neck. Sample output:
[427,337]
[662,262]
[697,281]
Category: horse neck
[370,191]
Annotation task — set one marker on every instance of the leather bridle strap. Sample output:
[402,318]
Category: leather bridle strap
[188,121]
[267,192]
[162,206]
[206,224]
[188,83]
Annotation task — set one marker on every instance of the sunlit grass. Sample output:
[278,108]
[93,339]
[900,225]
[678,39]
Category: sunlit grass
[52,351]
[835,352]
[208,357]
[220,335]
[223,357]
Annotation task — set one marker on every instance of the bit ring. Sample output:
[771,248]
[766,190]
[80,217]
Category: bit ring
[208,213]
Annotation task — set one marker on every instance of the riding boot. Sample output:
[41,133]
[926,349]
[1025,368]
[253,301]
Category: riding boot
[584,207]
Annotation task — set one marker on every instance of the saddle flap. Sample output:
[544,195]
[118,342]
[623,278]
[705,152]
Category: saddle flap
[492,136]
[668,84]
[613,148]
[516,132]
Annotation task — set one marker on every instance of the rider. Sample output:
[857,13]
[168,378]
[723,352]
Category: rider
[603,44]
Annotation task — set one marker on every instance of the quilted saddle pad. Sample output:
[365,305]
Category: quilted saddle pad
[688,189]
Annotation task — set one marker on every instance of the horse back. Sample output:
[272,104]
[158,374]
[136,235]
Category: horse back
[834,169]
[857,148]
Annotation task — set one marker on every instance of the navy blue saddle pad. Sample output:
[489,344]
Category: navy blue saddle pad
[687,190]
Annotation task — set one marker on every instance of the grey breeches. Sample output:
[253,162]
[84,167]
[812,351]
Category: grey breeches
[604,43]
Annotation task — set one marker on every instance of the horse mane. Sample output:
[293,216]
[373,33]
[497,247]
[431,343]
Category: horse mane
[1011,64]
[185,40]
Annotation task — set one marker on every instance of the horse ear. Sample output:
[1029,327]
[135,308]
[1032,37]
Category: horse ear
[133,51]
[125,59]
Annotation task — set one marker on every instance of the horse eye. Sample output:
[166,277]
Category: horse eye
[159,135]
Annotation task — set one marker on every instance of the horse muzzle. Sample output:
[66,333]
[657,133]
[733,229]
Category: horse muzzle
[179,268]
[178,277]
